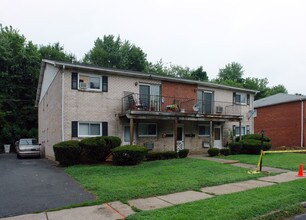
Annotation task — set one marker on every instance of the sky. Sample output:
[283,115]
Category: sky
[267,37]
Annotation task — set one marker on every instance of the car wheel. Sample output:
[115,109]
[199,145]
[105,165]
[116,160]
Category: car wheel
[18,156]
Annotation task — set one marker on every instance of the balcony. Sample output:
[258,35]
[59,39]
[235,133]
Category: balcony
[149,104]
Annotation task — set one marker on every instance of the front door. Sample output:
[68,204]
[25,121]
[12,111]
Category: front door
[126,135]
[180,138]
[217,137]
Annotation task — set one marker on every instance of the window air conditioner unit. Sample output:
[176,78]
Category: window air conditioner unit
[219,109]
[148,145]
[82,85]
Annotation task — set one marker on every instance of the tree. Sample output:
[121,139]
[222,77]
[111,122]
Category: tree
[199,74]
[55,52]
[276,89]
[111,52]
[19,69]
[232,72]
[257,84]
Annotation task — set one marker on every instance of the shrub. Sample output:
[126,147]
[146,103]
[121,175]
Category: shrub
[67,153]
[169,155]
[235,147]
[251,146]
[154,156]
[225,151]
[128,154]
[112,142]
[183,153]
[213,152]
[94,150]
[253,136]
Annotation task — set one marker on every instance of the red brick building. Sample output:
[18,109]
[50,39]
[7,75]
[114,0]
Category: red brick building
[282,117]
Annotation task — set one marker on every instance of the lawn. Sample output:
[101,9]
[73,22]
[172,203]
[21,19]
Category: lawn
[111,183]
[289,161]
[244,205]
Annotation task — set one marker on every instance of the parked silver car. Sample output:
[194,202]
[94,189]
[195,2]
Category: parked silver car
[28,147]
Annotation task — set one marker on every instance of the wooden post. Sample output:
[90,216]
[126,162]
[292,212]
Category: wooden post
[211,137]
[175,134]
[131,131]
[240,129]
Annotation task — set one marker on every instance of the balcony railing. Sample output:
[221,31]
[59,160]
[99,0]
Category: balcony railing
[140,102]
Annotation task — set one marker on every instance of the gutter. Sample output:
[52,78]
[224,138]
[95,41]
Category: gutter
[62,113]
[302,122]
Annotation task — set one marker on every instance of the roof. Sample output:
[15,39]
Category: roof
[279,98]
[86,67]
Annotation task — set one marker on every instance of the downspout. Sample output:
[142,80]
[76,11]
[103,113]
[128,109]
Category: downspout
[302,122]
[63,86]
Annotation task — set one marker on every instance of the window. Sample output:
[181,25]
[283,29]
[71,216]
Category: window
[204,130]
[90,82]
[237,131]
[89,129]
[205,101]
[240,98]
[146,129]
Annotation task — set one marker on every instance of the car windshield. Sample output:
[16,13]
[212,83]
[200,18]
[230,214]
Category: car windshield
[28,141]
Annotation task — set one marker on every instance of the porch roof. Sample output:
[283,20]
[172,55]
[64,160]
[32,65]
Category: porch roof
[152,115]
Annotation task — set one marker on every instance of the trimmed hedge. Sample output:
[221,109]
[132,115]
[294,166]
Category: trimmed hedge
[225,151]
[93,150]
[67,153]
[154,156]
[183,153]
[128,154]
[250,144]
[254,137]
[213,152]
[170,155]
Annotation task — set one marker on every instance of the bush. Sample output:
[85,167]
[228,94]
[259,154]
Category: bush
[154,156]
[253,136]
[213,152]
[128,154]
[112,142]
[169,155]
[251,146]
[225,151]
[183,153]
[94,150]
[67,153]
[235,147]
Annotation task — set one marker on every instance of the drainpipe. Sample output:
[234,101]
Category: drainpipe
[63,86]
[302,122]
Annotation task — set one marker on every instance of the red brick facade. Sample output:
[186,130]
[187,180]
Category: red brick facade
[282,123]
[186,93]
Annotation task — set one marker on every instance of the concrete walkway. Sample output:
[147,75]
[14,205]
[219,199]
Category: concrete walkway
[117,210]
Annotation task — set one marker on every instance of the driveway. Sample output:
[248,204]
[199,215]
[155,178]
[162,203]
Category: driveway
[34,185]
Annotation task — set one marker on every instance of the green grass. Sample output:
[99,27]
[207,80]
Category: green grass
[289,161]
[111,183]
[244,205]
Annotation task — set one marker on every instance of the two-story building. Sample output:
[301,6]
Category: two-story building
[162,113]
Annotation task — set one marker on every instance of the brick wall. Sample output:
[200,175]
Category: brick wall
[282,123]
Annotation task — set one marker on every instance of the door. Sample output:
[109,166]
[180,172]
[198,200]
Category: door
[180,138]
[126,135]
[144,96]
[217,137]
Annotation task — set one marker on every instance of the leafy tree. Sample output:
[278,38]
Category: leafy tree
[276,89]
[257,84]
[199,74]
[112,52]
[55,52]
[232,72]
[19,69]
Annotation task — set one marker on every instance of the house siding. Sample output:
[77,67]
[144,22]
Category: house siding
[49,116]
[282,123]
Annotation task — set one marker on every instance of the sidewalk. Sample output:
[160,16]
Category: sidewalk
[118,210]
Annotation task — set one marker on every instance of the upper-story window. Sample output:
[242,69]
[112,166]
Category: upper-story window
[241,98]
[90,82]
[205,101]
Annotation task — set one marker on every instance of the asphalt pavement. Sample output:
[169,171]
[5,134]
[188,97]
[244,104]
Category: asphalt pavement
[34,185]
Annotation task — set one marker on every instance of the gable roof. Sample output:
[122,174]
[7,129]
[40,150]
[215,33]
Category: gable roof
[278,99]
[85,67]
